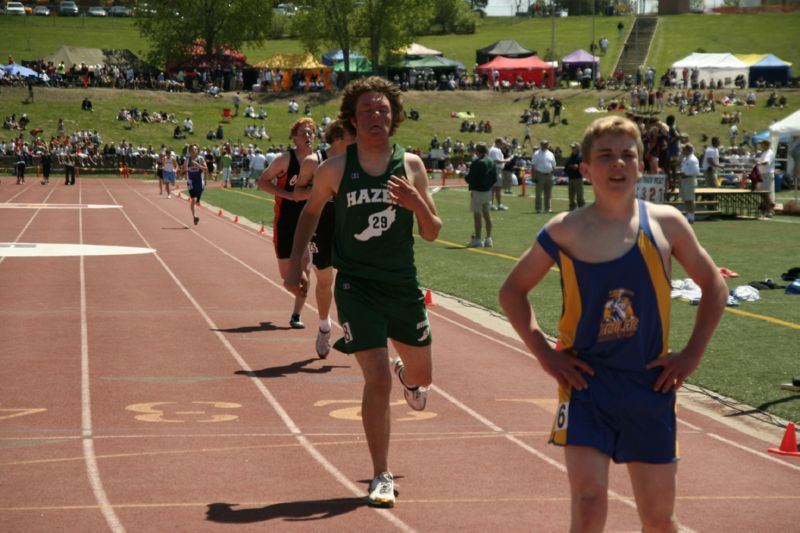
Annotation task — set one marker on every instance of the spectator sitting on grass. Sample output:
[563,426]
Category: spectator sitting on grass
[249,112]
[86,105]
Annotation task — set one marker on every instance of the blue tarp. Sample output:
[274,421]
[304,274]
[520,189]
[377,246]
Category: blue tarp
[337,55]
[771,69]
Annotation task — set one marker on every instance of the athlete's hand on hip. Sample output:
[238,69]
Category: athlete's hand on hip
[675,368]
[403,193]
[296,282]
[567,369]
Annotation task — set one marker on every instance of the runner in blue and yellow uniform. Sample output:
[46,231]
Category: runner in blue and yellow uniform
[616,374]
[379,191]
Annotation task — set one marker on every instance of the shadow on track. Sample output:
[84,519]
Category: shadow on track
[263,326]
[298,367]
[290,511]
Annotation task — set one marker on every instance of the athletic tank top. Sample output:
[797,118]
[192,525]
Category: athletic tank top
[616,313]
[322,155]
[194,173]
[373,237]
[288,211]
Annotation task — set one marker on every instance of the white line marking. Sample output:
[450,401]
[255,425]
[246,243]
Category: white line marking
[265,392]
[8,205]
[33,216]
[46,249]
[90,458]
[763,455]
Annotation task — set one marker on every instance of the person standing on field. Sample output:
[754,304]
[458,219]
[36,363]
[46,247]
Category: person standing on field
[617,377]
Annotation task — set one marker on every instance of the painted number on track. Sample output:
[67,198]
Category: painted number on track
[176,413]
[353,411]
[6,413]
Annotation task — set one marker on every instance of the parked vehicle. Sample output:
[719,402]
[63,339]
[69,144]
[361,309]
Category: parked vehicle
[96,11]
[119,11]
[14,8]
[67,8]
[41,11]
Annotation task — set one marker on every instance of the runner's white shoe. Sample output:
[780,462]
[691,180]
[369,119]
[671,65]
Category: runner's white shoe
[415,397]
[323,343]
[381,490]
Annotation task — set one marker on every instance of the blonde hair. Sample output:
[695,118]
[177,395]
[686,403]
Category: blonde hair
[610,125]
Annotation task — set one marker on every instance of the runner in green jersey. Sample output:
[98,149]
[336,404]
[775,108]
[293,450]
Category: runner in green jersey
[379,190]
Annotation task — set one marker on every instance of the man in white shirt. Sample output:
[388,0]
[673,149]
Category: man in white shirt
[496,155]
[711,163]
[544,164]
[257,165]
[733,131]
[690,169]
[766,166]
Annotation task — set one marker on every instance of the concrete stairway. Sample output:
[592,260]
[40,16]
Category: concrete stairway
[636,47]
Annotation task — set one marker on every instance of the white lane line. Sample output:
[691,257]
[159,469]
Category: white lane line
[28,224]
[90,458]
[763,455]
[265,392]
[483,420]
[47,249]
[9,205]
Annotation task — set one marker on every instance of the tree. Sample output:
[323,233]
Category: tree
[174,27]
[477,4]
[454,16]
[380,27]
[327,22]
[387,26]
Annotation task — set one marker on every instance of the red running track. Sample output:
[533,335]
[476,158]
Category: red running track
[164,392]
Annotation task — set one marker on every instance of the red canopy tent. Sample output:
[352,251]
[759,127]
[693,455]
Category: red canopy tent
[531,69]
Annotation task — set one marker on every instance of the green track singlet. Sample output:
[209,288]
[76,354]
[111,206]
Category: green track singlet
[373,237]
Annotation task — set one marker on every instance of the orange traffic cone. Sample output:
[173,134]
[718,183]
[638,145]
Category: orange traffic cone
[429,299]
[236,219]
[262,230]
[220,213]
[789,443]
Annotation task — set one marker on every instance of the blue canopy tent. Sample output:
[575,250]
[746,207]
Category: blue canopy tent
[772,70]
[331,58]
[18,70]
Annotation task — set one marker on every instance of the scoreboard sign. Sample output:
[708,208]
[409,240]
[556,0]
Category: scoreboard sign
[651,188]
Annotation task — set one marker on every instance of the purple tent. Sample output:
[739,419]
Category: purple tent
[580,57]
[578,60]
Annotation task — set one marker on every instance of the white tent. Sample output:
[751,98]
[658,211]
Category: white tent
[789,129]
[417,50]
[715,67]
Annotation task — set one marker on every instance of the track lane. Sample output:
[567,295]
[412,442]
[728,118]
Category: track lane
[444,481]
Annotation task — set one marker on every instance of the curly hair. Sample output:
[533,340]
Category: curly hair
[375,84]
